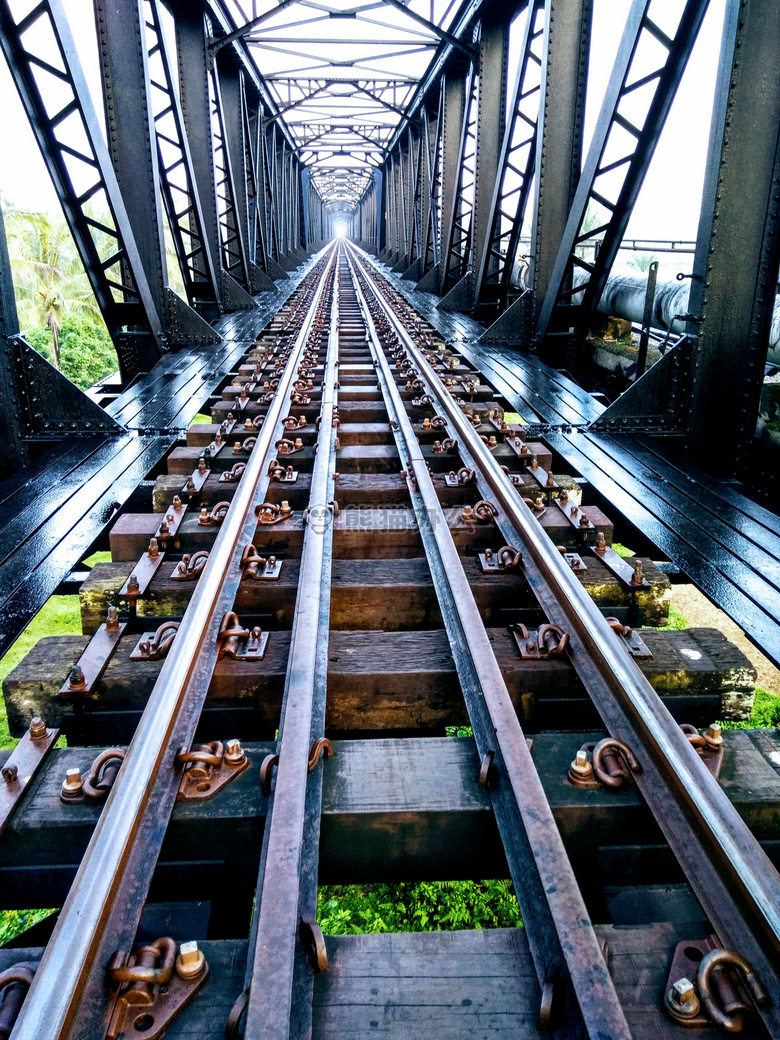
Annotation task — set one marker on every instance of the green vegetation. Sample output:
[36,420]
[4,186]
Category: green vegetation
[50,282]
[200,418]
[14,922]
[622,550]
[676,620]
[60,616]
[642,261]
[86,353]
[765,714]
[425,906]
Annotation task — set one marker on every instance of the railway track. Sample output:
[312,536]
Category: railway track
[359,551]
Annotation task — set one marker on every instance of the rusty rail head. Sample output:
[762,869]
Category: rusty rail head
[731,875]
[94,921]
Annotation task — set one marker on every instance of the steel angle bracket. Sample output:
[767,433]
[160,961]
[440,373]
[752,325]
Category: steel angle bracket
[173,517]
[197,480]
[21,766]
[518,446]
[143,572]
[633,642]
[94,660]
[573,514]
[575,561]
[620,567]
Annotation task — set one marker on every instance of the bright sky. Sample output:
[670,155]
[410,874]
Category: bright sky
[668,206]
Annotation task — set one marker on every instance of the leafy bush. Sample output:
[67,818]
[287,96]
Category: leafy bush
[425,906]
[86,352]
[14,922]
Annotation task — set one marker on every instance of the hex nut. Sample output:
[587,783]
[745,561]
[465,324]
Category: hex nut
[37,728]
[234,754]
[682,999]
[190,961]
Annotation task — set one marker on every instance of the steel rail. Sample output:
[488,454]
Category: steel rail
[561,938]
[288,866]
[69,995]
[732,877]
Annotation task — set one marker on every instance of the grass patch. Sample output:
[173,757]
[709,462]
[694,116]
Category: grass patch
[622,550]
[98,557]
[14,922]
[425,906]
[514,417]
[765,714]
[459,731]
[200,418]
[676,620]
[60,616]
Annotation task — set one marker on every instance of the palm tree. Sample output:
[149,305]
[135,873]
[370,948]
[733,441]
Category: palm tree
[49,279]
[642,261]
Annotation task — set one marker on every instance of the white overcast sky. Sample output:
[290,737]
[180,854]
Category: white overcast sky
[668,206]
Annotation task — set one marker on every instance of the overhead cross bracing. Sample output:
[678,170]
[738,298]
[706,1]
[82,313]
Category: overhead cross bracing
[342,74]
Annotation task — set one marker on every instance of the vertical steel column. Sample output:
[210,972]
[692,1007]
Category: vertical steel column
[228,189]
[430,256]
[129,121]
[496,259]
[567,30]
[14,454]
[238,158]
[491,119]
[458,242]
[196,106]
[180,195]
[736,263]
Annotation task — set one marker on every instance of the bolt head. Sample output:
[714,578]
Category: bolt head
[37,728]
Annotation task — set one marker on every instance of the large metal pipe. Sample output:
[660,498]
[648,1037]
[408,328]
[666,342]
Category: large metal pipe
[624,297]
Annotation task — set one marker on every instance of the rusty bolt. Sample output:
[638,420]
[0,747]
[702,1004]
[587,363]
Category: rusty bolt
[10,774]
[550,480]
[112,620]
[581,768]
[285,510]
[247,426]
[714,735]
[234,754]
[682,998]
[534,462]
[426,424]
[37,728]
[492,442]
[298,443]
[601,543]
[133,585]
[154,550]
[176,503]
[237,448]
[202,465]
[72,789]
[563,498]
[468,515]
[637,577]
[76,680]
